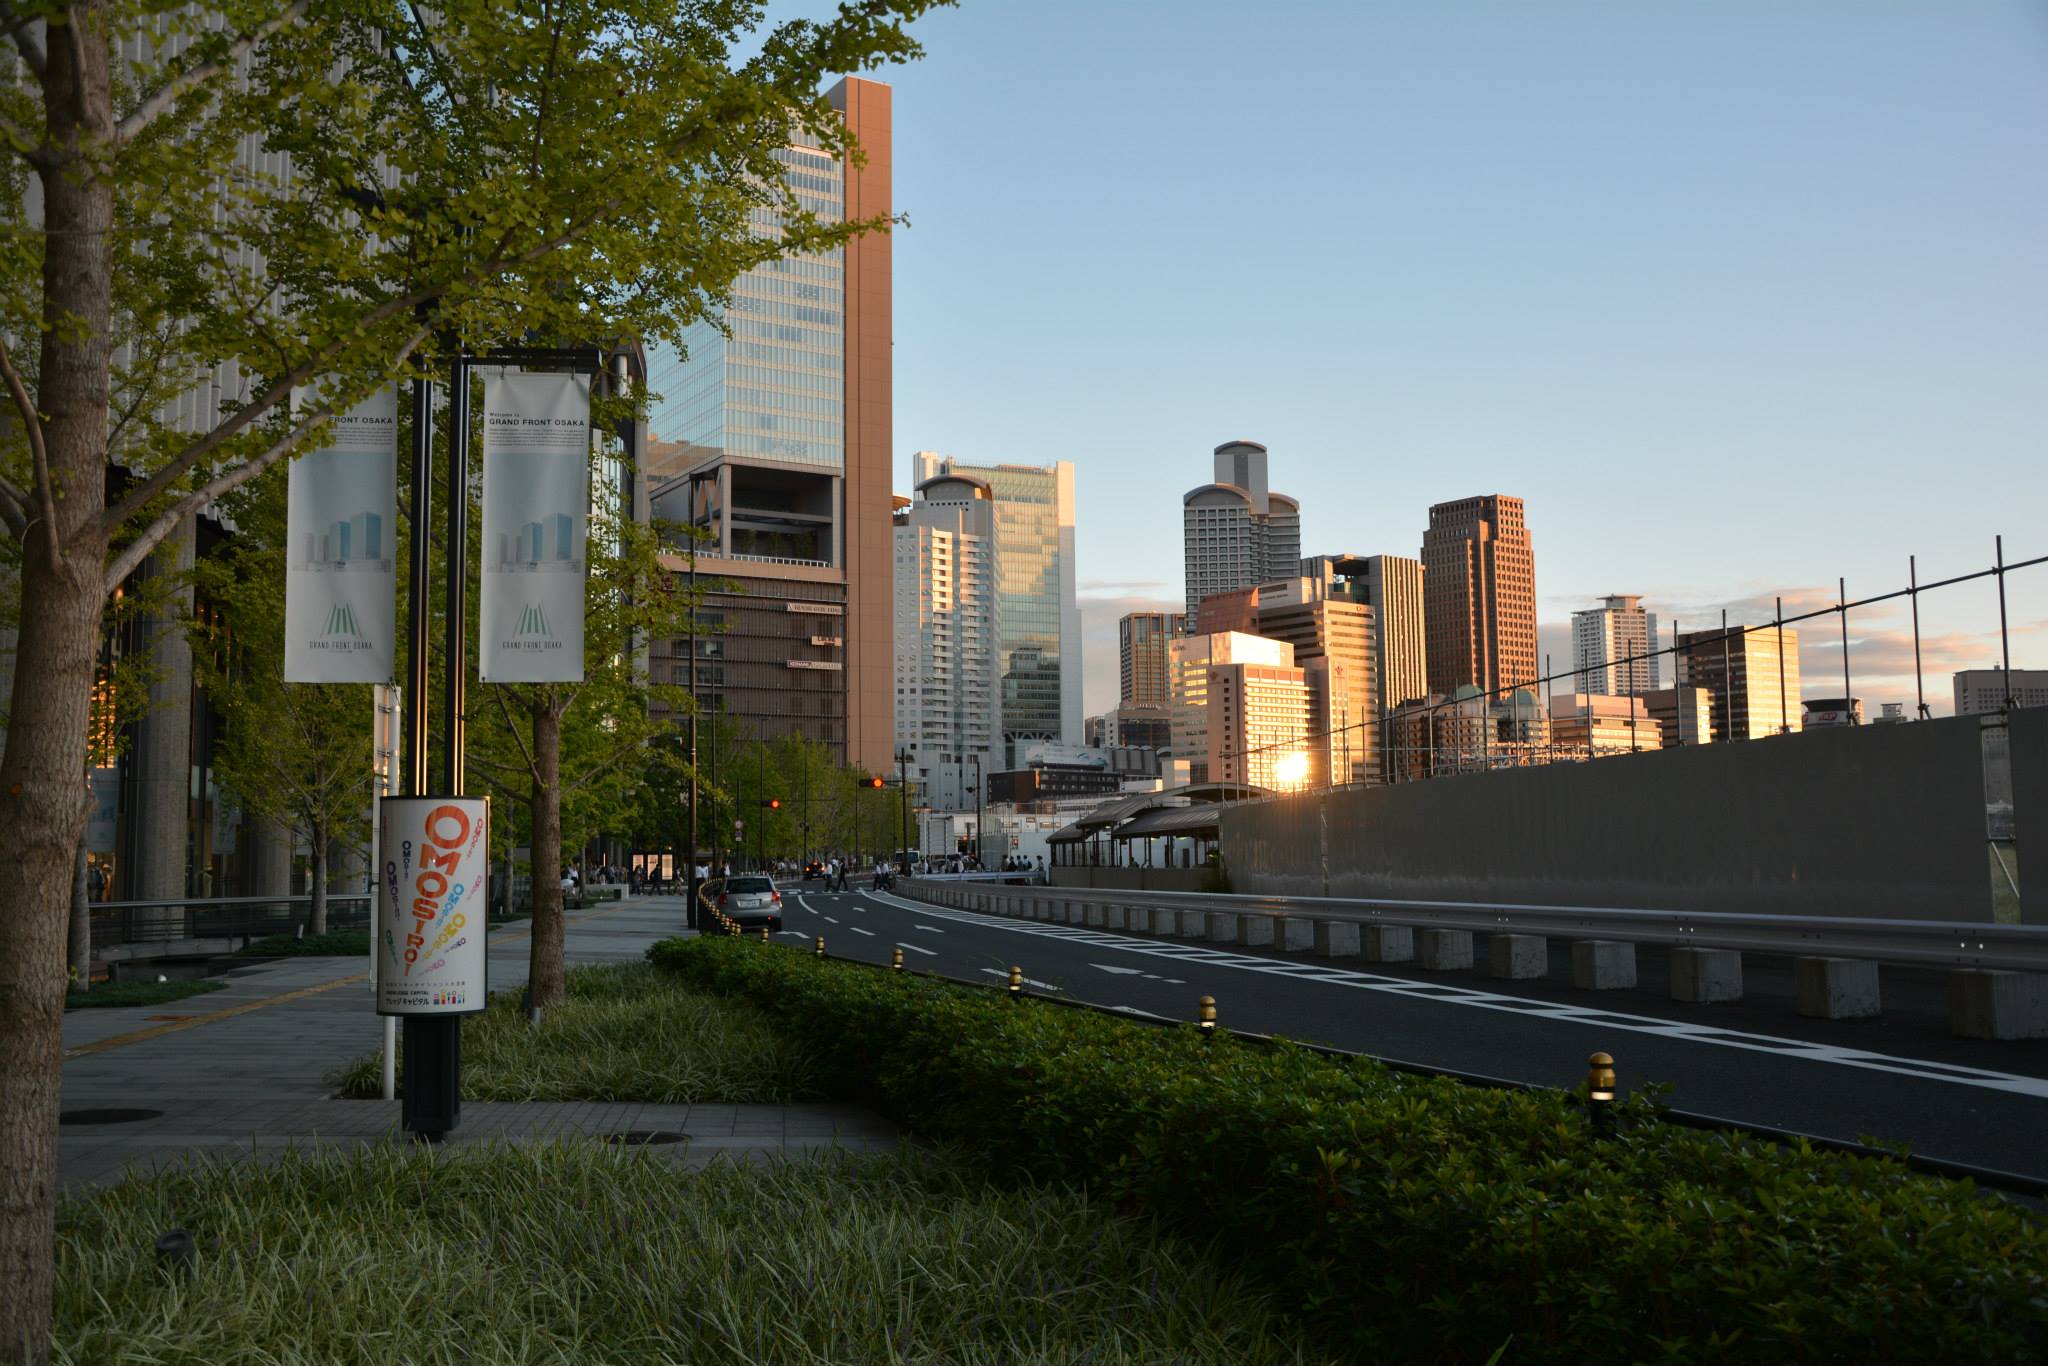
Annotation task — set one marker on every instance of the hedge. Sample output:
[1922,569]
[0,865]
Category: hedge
[1417,1219]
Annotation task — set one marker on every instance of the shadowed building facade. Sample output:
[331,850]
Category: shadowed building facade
[1479,595]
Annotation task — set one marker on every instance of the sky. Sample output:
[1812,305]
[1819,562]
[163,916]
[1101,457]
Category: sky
[1739,297]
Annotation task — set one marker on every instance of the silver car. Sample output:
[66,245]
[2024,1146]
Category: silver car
[751,899]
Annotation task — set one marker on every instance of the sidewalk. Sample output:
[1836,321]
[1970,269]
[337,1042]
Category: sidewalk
[244,1070]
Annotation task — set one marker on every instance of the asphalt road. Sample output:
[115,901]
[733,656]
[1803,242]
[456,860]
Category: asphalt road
[1899,1078]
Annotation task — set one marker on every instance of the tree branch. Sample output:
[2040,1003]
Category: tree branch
[225,482]
[13,508]
[164,96]
[525,750]
[32,423]
[24,42]
[603,766]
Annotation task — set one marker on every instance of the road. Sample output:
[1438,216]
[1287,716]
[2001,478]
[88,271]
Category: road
[1899,1078]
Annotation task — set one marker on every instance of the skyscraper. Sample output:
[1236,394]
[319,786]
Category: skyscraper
[1479,595]
[1392,586]
[1236,532]
[1040,644]
[1332,639]
[1753,677]
[1141,644]
[1617,629]
[777,441]
[1190,661]
[948,694]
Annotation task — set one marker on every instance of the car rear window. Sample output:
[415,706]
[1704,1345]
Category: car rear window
[749,884]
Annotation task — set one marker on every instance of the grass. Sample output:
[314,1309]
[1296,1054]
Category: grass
[140,993]
[627,1032]
[576,1253]
[333,944]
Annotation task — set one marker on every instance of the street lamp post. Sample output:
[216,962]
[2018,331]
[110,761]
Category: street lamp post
[977,811]
[903,786]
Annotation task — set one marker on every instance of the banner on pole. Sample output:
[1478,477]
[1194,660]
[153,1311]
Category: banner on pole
[429,932]
[341,568]
[536,526]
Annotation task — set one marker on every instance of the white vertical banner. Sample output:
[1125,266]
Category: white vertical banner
[341,567]
[536,527]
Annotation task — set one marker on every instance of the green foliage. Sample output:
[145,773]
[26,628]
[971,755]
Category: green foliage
[625,1032]
[1216,877]
[140,993]
[575,1254]
[1418,1219]
[333,944]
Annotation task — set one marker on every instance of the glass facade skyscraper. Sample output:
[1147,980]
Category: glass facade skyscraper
[1039,656]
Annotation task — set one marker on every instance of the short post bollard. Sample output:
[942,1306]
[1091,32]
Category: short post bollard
[819,946]
[1600,1092]
[764,934]
[1205,1016]
[896,959]
[1016,982]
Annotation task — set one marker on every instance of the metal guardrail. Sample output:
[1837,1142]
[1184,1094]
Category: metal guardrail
[219,917]
[1913,943]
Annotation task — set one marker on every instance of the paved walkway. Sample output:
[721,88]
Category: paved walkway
[246,1069]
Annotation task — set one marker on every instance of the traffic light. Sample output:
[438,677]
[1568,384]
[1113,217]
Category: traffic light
[773,803]
[875,781]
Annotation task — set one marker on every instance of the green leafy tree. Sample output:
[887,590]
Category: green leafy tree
[463,172]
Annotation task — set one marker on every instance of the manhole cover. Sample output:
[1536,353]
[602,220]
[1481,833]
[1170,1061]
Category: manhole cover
[106,1116]
[642,1138]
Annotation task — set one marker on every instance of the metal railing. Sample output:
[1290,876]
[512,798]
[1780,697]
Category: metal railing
[1912,943]
[219,917]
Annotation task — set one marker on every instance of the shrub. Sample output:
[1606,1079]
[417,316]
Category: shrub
[1418,1219]
[333,944]
[115,994]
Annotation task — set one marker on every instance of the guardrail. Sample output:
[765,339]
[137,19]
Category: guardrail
[219,917]
[1915,943]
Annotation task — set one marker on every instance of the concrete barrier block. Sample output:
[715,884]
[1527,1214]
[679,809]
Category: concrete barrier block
[1445,950]
[1255,931]
[1194,924]
[1387,943]
[1223,926]
[1517,957]
[1985,1003]
[1603,965]
[1837,988]
[1113,917]
[1095,916]
[1297,935]
[1335,938]
[1703,976]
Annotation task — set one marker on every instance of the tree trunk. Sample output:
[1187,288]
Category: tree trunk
[43,805]
[80,952]
[544,972]
[317,923]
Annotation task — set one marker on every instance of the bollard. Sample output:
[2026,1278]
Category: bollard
[820,946]
[1016,982]
[764,934]
[1205,1016]
[896,959]
[1600,1091]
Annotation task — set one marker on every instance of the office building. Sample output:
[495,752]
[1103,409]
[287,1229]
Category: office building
[1465,732]
[1259,719]
[1040,645]
[1593,725]
[948,711]
[1190,660]
[1332,640]
[1479,595]
[1979,692]
[1141,726]
[1752,676]
[1684,716]
[1236,532]
[1141,651]
[776,438]
[1604,637]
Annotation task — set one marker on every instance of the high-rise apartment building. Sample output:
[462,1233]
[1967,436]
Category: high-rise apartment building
[777,441]
[947,629]
[1752,676]
[1190,659]
[1479,595]
[1617,630]
[1141,648]
[1236,532]
[1040,663]
[1979,692]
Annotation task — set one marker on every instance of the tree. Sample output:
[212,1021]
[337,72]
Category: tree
[458,173]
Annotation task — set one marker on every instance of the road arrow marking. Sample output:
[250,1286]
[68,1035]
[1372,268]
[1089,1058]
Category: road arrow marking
[928,929]
[1121,972]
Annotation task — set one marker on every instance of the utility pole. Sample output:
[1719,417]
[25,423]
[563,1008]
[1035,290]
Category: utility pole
[903,786]
[690,852]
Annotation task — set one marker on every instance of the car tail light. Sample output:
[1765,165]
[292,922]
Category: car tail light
[775,897]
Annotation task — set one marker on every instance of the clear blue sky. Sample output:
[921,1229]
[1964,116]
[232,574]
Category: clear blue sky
[1739,296]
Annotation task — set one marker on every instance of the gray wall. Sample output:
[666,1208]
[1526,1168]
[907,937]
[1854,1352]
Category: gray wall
[2029,749]
[1870,821]
[1128,878]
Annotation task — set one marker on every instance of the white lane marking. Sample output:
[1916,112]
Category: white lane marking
[928,929]
[793,934]
[1685,1031]
[805,904]
[929,953]
[1121,972]
[858,930]
[1028,981]
[833,918]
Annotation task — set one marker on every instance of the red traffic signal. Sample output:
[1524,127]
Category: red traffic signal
[775,803]
[875,781]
